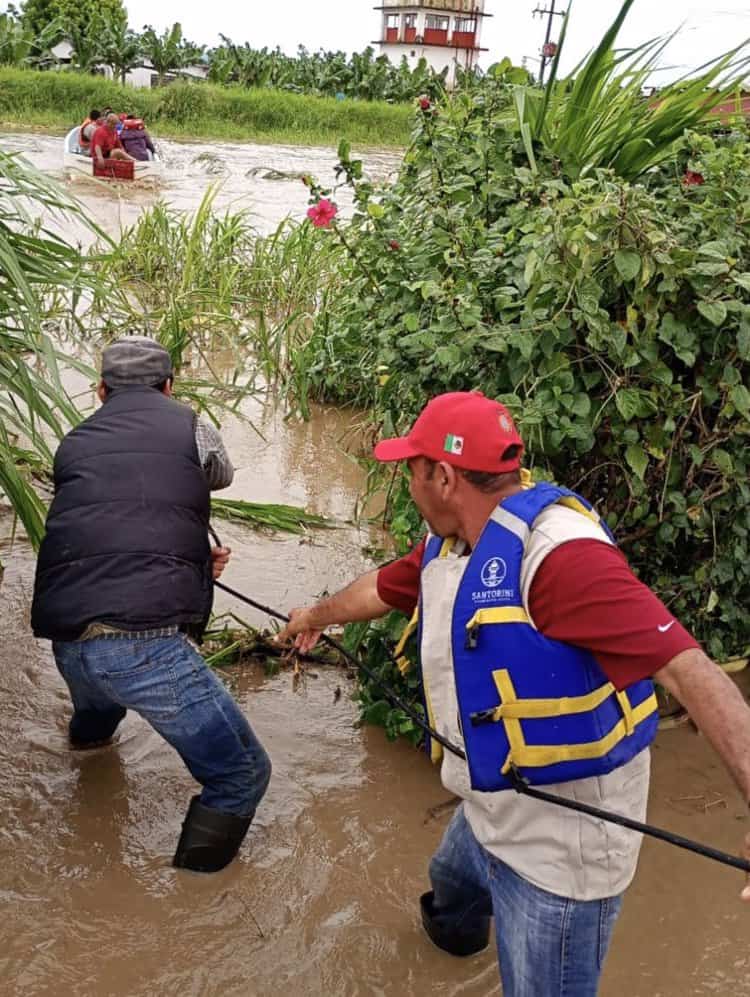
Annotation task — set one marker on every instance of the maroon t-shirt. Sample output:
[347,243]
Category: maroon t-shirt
[584,594]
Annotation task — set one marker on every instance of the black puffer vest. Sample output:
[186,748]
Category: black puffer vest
[126,540]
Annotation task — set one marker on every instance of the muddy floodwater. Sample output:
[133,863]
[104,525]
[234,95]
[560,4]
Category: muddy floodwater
[323,899]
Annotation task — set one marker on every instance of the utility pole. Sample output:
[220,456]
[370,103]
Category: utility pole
[550,48]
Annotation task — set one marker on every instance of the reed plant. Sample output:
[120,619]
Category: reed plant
[221,298]
[39,276]
[268,516]
[598,117]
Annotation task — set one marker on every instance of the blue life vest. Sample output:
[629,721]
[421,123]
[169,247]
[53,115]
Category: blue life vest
[525,701]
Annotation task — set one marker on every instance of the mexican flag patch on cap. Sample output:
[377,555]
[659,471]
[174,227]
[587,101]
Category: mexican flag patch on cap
[454,445]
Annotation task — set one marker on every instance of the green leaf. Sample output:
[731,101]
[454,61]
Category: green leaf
[717,250]
[740,398]
[582,406]
[375,210]
[743,340]
[713,601]
[411,321]
[628,263]
[629,403]
[714,312]
[724,462]
[637,458]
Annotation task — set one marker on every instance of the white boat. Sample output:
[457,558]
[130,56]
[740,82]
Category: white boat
[81,164]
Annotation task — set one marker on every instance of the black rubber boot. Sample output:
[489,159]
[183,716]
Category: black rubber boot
[209,839]
[447,936]
[94,728]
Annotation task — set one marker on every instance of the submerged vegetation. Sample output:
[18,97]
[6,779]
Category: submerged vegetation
[268,516]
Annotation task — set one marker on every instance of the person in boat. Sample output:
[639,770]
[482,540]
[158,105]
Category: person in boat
[124,586]
[136,140]
[106,143]
[539,649]
[87,130]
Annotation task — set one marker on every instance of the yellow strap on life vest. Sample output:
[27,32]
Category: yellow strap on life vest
[512,710]
[436,749]
[504,614]
[578,506]
[404,664]
[526,479]
[544,709]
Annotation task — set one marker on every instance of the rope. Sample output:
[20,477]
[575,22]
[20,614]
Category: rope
[520,785]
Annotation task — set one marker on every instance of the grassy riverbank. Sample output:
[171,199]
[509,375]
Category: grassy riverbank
[56,100]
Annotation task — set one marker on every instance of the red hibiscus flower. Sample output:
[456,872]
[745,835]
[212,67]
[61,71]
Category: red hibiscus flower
[692,179]
[394,245]
[424,103]
[322,213]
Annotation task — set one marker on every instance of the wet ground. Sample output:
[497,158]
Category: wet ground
[322,902]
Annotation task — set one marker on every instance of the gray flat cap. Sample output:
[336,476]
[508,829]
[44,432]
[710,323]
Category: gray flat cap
[135,360]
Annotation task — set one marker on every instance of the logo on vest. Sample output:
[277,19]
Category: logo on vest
[494,572]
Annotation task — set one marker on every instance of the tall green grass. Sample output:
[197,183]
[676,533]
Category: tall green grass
[218,295]
[189,110]
[39,276]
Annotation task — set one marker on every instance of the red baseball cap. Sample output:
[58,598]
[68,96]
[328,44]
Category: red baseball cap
[462,428]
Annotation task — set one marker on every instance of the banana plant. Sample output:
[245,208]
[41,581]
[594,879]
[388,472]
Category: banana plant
[121,49]
[168,52]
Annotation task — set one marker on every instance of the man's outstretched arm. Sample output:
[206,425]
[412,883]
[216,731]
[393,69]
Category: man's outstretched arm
[357,602]
[720,712]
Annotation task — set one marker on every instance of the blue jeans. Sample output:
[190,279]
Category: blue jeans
[548,946]
[168,683]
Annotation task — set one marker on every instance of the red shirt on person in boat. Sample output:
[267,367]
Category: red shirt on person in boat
[583,593]
[106,140]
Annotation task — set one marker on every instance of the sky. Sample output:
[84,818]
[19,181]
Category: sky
[708,28]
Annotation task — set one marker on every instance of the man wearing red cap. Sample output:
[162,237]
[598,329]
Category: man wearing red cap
[538,647]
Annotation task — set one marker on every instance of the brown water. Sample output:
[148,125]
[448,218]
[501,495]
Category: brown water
[323,898]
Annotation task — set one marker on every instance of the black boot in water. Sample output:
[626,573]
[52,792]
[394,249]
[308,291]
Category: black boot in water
[209,839]
[455,939]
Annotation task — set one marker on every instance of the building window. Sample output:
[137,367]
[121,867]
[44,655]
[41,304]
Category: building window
[391,21]
[466,25]
[436,23]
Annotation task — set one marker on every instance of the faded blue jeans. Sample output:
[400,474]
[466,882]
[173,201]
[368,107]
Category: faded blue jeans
[548,946]
[168,683]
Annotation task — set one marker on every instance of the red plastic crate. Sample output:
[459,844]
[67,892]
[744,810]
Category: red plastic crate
[115,169]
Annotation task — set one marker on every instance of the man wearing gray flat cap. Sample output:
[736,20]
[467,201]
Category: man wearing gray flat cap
[124,580]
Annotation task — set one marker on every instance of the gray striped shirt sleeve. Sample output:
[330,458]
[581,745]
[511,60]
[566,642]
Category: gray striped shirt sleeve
[213,455]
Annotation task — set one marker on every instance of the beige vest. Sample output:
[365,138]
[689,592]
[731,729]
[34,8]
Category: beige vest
[558,850]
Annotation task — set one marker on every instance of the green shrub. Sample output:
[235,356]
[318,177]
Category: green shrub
[612,317]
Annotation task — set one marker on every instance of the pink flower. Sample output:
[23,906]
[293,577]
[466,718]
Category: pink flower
[424,103]
[394,245]
[692,179]
[322,213]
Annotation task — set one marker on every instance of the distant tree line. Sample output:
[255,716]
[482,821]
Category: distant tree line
[98,33]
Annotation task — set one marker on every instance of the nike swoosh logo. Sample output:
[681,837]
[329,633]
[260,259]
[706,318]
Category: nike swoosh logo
[663,630]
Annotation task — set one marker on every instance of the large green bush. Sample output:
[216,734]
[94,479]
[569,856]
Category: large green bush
[613,317]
